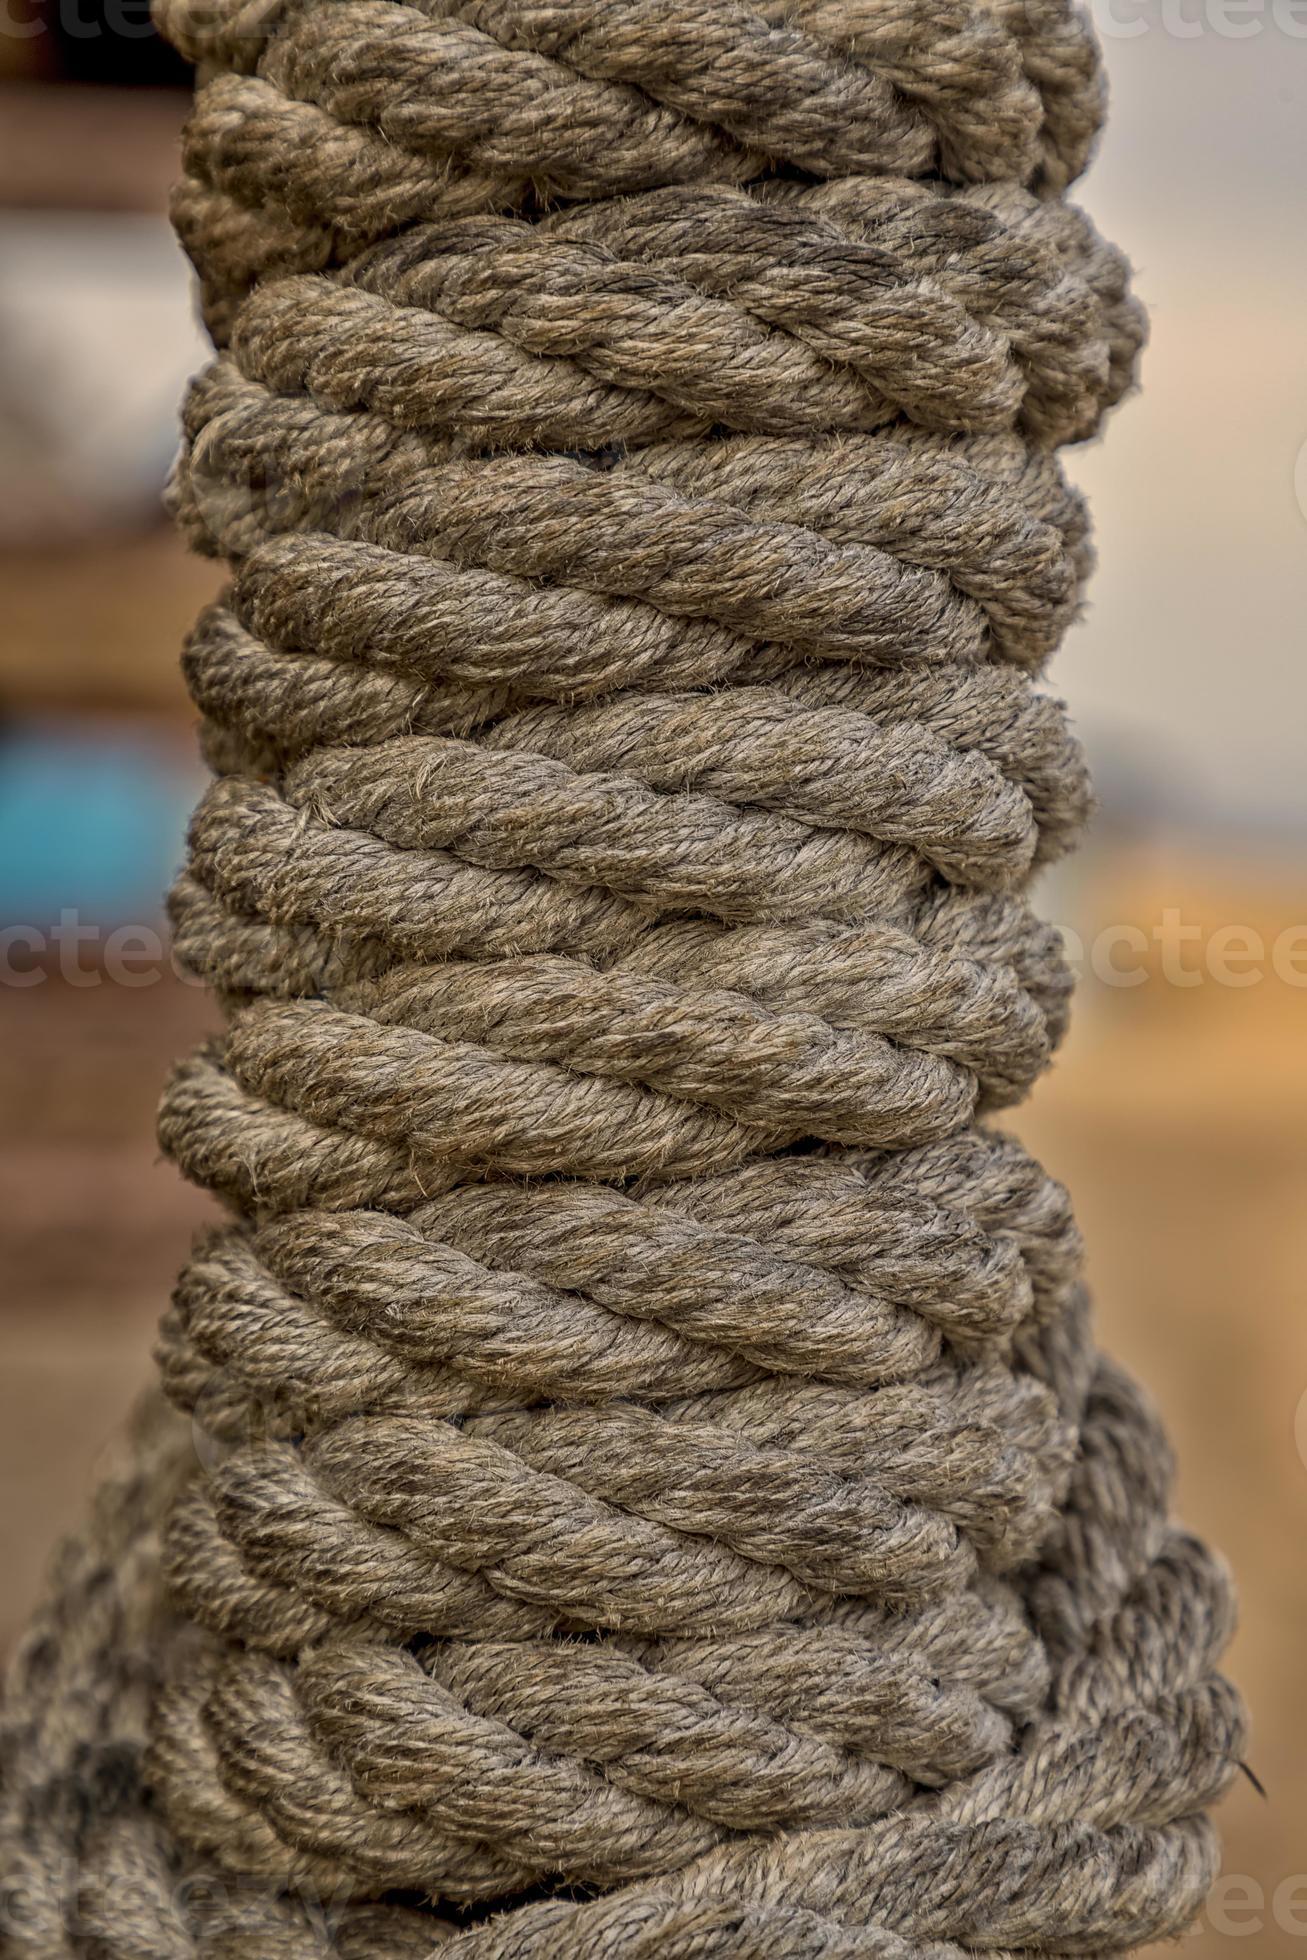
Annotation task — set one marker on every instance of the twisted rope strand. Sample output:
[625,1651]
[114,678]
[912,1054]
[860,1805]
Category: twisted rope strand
[311,145]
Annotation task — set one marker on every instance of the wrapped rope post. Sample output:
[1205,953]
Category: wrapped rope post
[644,1482]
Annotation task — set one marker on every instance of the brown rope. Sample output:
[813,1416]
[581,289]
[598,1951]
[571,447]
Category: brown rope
[647,1486]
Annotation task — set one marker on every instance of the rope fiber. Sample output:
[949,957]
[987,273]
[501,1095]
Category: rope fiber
[635,1475]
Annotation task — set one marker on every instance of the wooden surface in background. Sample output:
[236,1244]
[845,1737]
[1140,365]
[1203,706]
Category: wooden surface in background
[99,624]
[82,148]
[93,1226]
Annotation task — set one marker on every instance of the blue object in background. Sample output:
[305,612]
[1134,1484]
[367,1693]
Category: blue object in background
[92,820]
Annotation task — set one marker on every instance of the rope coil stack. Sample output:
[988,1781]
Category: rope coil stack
[646,1483]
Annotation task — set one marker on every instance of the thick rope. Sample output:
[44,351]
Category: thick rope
[647,1486]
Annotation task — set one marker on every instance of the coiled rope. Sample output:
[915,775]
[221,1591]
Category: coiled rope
[646,1483]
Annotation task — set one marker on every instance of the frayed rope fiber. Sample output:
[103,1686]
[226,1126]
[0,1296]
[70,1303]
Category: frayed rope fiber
[643,1482]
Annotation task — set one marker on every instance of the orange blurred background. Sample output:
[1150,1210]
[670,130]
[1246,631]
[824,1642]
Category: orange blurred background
[1177,1112]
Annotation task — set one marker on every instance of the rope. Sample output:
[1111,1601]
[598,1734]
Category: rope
[639,1477]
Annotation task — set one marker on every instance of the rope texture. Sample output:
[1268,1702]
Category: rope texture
[643,1481]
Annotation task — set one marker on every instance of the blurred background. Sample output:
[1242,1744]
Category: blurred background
[1177,1112]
